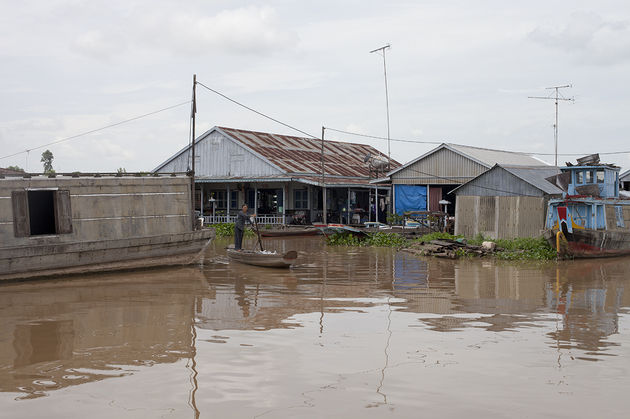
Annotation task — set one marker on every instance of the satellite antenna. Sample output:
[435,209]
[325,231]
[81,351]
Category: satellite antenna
[367,157]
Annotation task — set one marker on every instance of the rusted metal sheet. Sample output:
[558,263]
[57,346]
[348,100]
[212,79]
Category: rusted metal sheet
[303,155]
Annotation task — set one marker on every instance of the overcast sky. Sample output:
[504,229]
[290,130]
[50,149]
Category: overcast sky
[458,71]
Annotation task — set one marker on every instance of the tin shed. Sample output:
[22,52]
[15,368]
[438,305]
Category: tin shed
[505,202]
[430,177]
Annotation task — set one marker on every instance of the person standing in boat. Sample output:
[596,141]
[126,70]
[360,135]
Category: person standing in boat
[239,226]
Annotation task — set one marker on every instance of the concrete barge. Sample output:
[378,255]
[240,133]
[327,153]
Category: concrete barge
[77,224]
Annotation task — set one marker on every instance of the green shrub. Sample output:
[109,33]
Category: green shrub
[380,239]
[227,230]
[437,236]
[525,248]
[395,219]
[342,238]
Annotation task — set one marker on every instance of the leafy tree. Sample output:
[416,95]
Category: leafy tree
[121,170]
[47,158]
[16,168]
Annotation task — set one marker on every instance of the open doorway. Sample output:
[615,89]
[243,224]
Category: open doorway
[41,212]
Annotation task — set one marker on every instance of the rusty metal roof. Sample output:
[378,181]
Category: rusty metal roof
[308,179]
[303,155]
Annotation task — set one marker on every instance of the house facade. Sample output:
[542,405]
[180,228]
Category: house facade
[280,178]
[422,183]
[505,202]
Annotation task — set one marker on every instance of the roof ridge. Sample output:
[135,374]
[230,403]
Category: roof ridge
[520,153]
[295,136]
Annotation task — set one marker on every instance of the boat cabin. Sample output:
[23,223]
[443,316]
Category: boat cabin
[585,180]
[590,199]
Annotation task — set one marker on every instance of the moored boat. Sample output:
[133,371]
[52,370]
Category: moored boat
[70,224]
[263,258]
[590,220]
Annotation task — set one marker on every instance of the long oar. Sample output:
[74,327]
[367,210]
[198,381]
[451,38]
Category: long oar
[258,233]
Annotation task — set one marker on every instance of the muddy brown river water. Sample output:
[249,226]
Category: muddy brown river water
[347,333]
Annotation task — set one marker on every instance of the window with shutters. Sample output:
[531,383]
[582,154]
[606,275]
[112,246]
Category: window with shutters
[301,198]
[41,212]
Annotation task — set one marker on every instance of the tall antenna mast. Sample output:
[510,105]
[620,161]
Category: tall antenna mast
[556,96]
[192,173]
[382,50]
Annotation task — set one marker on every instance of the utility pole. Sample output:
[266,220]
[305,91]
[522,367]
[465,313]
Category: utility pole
[555,97]
[382,51]
[192,116]
[324,207]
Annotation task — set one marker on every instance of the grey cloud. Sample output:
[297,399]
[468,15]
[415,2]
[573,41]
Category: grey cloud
[248,30]
[96,44]
[589,38]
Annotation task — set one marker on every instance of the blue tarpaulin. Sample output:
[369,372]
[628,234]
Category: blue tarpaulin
[410,198]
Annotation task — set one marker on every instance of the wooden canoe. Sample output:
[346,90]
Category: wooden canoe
[257,258]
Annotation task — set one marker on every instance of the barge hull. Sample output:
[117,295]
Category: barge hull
[593,243]
[31,262]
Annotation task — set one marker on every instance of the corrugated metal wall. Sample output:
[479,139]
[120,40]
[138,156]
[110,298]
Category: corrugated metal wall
[221,157]
[498,182]
[500,217]
[442,167]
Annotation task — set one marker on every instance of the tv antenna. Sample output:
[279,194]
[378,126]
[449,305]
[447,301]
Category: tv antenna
[381,51]
[556,96]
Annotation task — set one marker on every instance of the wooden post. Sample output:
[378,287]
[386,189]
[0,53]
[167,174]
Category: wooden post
[369,205]
[227,204]
[285,201]
[201,203]
[376,203]
[256,200]
[324,206]
[348,208]
[194,111]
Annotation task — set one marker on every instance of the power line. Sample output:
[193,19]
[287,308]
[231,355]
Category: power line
[459,184]
[95,130]
[384,138]
[464,145]
[255,111]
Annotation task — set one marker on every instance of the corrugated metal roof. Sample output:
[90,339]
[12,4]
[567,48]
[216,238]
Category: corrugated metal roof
[536,176]
[484,156]
[311,180]
[624,175]
[303,155]
[491,157]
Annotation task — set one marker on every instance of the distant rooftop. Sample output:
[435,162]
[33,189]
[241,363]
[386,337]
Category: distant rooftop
[485,156]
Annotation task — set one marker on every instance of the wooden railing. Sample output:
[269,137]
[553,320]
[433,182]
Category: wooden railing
[262,219]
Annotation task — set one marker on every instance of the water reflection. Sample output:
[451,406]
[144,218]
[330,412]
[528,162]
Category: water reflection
[62,333]
[242,331]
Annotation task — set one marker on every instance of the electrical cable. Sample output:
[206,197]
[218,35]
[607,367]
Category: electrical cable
[511,193]
[255,111]
[95,130]
[464,145]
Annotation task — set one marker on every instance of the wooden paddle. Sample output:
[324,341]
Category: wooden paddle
[258,234]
